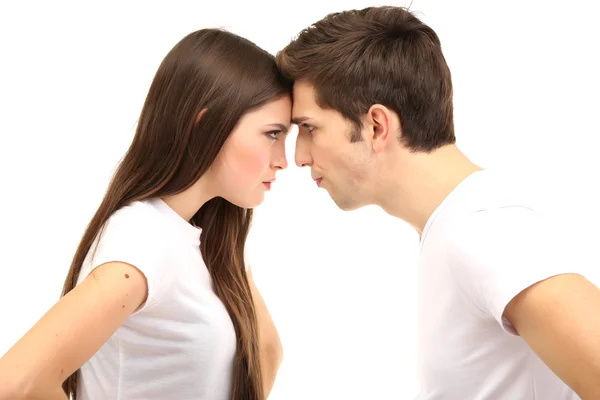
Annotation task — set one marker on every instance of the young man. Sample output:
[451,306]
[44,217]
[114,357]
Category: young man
[504,315]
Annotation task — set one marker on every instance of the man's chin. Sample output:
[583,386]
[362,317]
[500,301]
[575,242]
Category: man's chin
[346,203]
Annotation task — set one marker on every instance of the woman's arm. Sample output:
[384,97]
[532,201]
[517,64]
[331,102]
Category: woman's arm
[70,333]
[270,345]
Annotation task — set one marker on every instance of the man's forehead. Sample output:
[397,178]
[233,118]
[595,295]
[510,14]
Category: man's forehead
[302,114]
[304,105]
[304,93]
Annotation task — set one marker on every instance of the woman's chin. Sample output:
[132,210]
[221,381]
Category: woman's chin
[251,201]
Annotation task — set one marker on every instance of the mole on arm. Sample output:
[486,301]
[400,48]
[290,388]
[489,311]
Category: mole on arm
[126,276]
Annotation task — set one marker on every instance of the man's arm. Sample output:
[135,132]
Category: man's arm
[271,350]
[559,318]
[513,264]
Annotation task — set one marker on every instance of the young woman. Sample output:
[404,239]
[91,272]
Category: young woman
[158,302]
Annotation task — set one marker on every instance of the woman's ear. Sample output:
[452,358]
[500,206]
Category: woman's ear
[200,114]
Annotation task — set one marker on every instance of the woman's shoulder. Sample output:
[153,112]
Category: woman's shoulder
[140,212]
[137,219]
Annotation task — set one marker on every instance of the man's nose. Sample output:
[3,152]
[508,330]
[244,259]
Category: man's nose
[303,157]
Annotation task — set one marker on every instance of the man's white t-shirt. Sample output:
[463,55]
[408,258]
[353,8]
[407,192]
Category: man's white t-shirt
[180,344]
[480,248]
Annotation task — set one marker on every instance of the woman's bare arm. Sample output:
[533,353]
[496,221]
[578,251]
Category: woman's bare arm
[270,343]
[71,332]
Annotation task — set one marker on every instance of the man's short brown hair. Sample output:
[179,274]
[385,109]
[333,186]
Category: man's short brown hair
[377,55]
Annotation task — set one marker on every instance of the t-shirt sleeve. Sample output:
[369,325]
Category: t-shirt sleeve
[496,254]
[130,237]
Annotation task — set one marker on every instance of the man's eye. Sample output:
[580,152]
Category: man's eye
[309,128]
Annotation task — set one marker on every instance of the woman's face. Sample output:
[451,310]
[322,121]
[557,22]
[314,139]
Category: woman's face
[253,153]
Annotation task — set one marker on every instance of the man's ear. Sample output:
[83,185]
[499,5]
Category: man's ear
[382,127]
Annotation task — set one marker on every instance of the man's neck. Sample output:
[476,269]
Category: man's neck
[418,183]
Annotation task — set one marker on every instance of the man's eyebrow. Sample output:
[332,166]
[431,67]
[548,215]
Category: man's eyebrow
[299,120]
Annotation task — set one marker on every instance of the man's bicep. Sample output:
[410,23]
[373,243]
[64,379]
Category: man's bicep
[559,319]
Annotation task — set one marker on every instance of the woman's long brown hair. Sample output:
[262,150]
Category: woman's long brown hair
[225,75]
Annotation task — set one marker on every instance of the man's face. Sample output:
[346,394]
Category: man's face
[338,165]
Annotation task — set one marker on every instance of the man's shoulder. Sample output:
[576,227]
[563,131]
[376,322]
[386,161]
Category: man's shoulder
[493,190]
[482,202]
[489,209]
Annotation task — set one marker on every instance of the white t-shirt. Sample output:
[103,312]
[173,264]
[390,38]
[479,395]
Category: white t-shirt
[180,344]
[480,248]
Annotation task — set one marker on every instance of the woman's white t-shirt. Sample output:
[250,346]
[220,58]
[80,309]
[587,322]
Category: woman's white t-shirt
[181,343]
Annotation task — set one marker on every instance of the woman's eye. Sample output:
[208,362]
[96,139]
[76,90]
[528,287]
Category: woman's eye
[274,134]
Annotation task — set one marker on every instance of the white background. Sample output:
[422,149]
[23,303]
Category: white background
[340,286]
